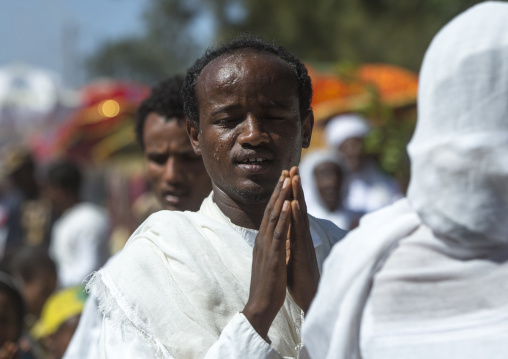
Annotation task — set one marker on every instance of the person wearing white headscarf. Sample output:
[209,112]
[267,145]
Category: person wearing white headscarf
[367,187]
[323,176]
[427,276]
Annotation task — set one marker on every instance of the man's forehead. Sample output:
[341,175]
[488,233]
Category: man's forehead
[226,68]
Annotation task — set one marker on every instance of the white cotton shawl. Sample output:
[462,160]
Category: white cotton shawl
[426,277]
[183,275]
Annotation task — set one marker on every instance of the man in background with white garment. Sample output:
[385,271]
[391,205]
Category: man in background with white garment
[176,174]
[234,279]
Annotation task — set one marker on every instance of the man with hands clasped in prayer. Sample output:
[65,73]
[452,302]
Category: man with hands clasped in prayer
[234,279]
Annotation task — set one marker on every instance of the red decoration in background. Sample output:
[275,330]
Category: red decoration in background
[107,107]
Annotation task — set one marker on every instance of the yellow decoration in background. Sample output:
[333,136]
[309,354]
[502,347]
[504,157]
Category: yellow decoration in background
[109,108]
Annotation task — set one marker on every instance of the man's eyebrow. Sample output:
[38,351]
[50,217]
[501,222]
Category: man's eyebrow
[275,104]
[225,109]
[268,103]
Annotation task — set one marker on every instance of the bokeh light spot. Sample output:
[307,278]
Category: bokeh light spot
[109,108]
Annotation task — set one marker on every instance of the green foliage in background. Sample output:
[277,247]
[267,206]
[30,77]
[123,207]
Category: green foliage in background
[390,31]
[389,137]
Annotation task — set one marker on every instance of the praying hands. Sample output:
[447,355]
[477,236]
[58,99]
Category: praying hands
[274,267]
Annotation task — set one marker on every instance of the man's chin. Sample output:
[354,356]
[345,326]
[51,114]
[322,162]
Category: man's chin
[253,196]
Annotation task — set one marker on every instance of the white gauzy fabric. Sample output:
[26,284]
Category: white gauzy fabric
[182,277]
[459,162]
[341,217]
[342,127]
[426,277]
[332,325]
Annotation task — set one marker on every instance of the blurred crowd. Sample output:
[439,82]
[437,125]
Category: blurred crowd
[51,240]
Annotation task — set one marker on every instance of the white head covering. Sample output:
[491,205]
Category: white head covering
[459,185]
[342,127]
[459,151]
[307,166]
[315,204]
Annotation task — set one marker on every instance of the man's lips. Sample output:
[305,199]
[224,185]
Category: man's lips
[254,162]
[173,198]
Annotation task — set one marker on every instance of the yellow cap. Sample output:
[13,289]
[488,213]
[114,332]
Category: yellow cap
[60,307]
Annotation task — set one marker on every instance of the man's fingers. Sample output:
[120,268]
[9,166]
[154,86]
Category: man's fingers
[273,200]
[296,184]
[297,216]
[294,172]
[275,213]
[280,232]
[275,194]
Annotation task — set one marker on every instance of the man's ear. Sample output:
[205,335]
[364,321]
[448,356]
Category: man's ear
[307,126]
[194,137]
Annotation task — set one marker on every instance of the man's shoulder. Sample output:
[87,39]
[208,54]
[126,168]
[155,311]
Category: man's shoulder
[171,231]
[328,227]
[172,219]
[325,231]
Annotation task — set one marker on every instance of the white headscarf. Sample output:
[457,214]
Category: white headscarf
[459,182]
[315,204]
[459,151]
[342,127]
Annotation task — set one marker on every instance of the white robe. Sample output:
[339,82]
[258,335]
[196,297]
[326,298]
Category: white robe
[176,290]
[427,276]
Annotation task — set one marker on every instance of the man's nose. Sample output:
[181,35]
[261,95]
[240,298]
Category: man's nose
[173,170]
[252,132]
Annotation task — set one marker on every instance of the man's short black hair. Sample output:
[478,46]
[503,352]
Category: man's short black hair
[244,42]
[66,175]
[165,99]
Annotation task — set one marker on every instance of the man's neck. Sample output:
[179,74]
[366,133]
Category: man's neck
[241,214]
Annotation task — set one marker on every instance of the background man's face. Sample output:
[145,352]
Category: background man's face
[328,177]
[250,123]
[353,152]
[177,175]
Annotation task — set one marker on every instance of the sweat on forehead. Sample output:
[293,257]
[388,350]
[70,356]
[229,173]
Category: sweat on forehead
[226,71]
[234,59]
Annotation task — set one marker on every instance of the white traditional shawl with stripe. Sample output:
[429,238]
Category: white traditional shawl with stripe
[183,275]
